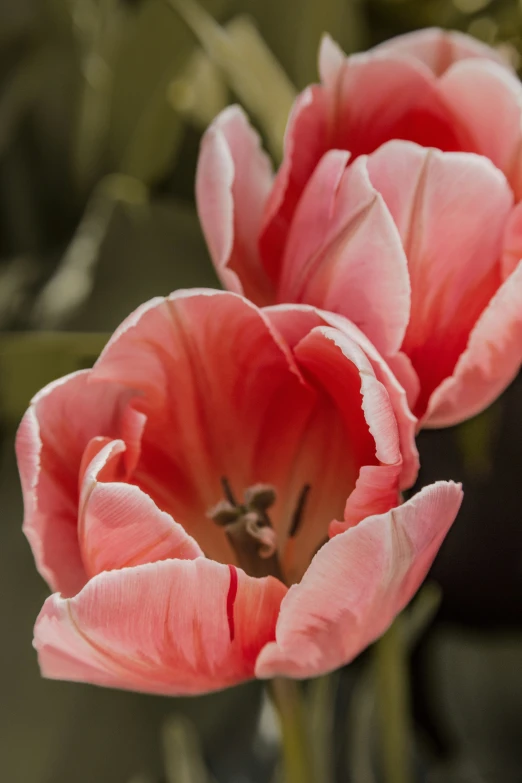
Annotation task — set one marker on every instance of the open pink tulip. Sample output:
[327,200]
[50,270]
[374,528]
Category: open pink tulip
[394,206]
[216,499]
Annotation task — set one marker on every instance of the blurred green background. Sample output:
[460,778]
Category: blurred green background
[102,106]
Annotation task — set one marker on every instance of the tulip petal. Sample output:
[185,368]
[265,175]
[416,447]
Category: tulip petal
[406,377]
[330,61]
[234,177]
[406,422]
[488,98]
[451,210]
[374,438]
[224,397]
[120,526]
[512,248]
[323,353]
[294,322]
[306,139]
[173,627]
[395,97]
[60,422]
[344,253]
[364,432]
[489,363]
[377,98]
[356,584]
[311,222]
[439,49]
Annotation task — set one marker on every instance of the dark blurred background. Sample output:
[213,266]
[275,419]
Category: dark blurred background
[102,106]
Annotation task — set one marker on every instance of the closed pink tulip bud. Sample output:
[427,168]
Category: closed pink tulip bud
[217,499]
[395,206]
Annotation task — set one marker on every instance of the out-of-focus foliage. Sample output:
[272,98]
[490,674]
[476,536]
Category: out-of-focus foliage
[29,361]
[102,105]
[496,22]
[122,89]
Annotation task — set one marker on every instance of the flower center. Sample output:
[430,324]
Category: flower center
[249,529]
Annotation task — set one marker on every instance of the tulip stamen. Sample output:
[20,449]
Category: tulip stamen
[249,529]
[227,491]
[297,516]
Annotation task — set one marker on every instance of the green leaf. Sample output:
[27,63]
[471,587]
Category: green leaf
[99,28]
[29,361]
[145,131]
[344,20]
[72,282]
[475,439]
[199,93]
[182,750]
[251,69]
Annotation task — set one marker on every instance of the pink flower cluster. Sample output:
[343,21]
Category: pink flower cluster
[219,498]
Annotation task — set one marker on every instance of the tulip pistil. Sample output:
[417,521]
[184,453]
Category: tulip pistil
[249,529]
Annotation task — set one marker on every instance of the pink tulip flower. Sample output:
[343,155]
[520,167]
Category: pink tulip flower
[394,206]
[217,499]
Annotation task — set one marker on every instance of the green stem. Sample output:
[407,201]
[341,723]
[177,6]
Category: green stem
[321,708]
[288,699]
[393,703]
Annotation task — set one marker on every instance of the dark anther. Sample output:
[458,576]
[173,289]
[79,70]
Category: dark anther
[260,497]
[227,491]
[249,529]
[299,509]
[224,513]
